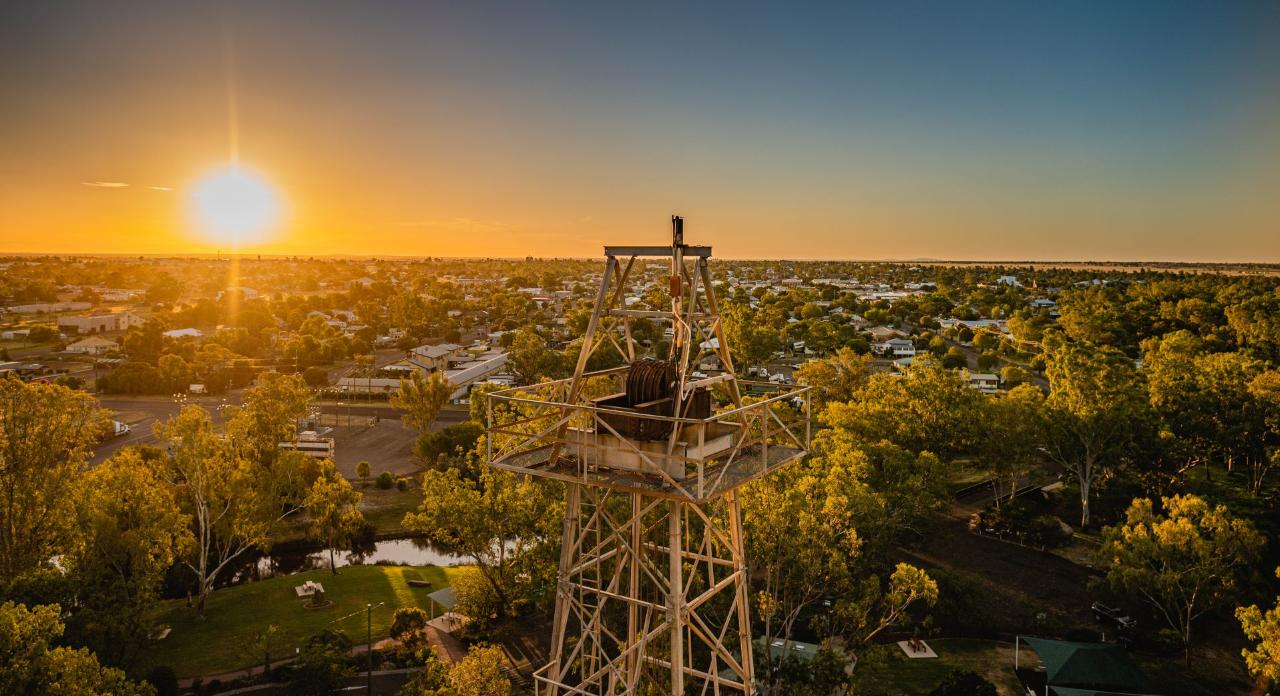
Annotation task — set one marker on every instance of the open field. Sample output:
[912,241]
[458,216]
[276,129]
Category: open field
[218,642]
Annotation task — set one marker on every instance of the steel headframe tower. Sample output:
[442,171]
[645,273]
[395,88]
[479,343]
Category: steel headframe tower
[652,589]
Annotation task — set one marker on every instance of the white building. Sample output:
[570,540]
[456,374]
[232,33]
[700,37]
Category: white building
[895,348]
[984,382]
[101,323]
[435,357]
[482,368]
[94,345]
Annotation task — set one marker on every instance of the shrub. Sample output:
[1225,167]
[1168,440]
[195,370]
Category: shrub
[363,470]
[402,484]
[1019,519]
[448,442]
[385,480]
[407,623]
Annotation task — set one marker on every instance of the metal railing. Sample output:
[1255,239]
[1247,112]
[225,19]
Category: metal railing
[545,430]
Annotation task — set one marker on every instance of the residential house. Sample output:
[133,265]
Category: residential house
[895,348]
[880,334]
[984,382]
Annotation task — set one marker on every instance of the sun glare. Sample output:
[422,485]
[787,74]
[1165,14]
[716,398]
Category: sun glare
[235,207]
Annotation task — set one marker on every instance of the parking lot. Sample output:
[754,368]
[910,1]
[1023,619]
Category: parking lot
[372,434]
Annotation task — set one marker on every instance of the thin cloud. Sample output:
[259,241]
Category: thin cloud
[160,188]
[105,184]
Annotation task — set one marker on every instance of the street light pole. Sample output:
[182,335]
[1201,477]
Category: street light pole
[369,626]
[369,646]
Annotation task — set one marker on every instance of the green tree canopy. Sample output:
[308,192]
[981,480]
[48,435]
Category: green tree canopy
[421,397]
[1097,404]
[130,531]
[46,431]
[497,519]
[1183,563]
[29,664]
[927,408]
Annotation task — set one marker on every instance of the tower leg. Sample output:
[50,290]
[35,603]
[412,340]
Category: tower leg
[742,603]
[568,551]
[675,596]
[626,609]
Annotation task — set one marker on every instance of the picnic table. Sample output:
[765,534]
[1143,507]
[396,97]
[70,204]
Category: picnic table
[309,588]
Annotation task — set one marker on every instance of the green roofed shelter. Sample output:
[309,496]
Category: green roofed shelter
[1088,669]
[445,598]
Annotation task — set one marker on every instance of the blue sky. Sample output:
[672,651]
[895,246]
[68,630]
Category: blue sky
[980,130]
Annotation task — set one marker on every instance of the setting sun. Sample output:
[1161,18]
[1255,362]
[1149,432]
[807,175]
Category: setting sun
[234,206]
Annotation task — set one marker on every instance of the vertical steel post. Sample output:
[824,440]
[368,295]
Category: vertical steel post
[675,595]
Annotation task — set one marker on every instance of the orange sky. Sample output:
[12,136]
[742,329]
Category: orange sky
[458,135]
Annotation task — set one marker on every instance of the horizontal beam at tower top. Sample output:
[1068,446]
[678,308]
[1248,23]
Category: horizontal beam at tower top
[689,251]
[650,314]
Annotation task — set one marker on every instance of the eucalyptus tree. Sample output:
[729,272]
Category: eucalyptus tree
[1097,403]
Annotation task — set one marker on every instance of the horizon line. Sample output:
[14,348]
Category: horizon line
[933,261]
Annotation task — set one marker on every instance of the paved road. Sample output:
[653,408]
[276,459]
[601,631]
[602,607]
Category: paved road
[156,409]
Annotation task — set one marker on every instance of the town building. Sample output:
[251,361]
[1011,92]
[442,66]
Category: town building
[94,345]
[435,357]
[100,323]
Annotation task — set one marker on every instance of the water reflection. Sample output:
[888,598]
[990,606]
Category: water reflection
[393,551]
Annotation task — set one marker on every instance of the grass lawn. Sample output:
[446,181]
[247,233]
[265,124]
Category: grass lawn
[217,643]
[385,510]
[992,659]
